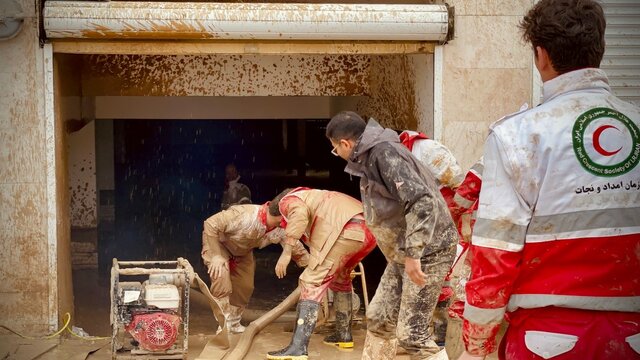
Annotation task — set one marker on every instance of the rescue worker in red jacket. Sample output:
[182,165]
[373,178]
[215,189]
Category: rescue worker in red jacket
[333,227]
[556,241]
[465,206]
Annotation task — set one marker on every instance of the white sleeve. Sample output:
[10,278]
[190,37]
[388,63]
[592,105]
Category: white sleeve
[503,214]
[439,161]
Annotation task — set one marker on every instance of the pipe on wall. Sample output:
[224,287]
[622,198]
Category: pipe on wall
[246,21]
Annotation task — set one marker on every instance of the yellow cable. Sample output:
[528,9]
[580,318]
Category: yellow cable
[68,319]
[57,333]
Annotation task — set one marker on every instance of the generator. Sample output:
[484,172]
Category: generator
[150,309]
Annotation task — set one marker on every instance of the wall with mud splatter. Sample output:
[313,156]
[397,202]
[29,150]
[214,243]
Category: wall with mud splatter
[82,177]
[23,202]
[388,82]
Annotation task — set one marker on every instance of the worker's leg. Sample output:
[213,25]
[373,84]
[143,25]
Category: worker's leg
[382,316]
[342,287]
[242,271]
[418,304]
[221,288]
[314,282]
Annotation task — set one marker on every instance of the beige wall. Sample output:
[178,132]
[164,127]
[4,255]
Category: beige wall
[487,72]
[24,289]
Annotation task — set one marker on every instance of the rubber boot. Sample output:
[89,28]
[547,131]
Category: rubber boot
[341,338]
[377,348]
[233,320]
[233,315]
[297,349]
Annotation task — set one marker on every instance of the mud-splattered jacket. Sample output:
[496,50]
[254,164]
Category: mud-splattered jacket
[319,217]
[242,228]
[436,157]
[402,205]
[559,216]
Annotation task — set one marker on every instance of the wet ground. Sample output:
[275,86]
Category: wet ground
[273,337]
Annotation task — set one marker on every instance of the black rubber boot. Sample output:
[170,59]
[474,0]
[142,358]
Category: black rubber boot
[342,305]
[305,323]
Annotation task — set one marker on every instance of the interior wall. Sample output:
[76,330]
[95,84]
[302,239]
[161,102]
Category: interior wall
[422,77]
[68,112]
[212,107]
[392,99]
[397,90]
[225,75]
[82,173]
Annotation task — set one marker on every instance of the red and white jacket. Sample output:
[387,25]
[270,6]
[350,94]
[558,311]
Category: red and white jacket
[465,200]
[438,159]
[559,216]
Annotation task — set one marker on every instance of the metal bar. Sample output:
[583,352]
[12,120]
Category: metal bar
[255,21]
[142,263]
[365,294]
[143,271]
[203,47]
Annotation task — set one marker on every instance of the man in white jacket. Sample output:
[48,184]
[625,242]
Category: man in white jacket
[556,240]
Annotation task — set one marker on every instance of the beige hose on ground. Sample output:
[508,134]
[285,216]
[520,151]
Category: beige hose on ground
[244,344]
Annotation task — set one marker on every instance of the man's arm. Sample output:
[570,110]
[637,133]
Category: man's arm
[297,215]
[416,197]
[466,198]
[497,242]
[214,227]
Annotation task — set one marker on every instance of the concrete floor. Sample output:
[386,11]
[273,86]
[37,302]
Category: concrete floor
[271,338]
[92,314]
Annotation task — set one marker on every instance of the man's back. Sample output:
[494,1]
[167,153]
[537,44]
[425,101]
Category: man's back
[565,183]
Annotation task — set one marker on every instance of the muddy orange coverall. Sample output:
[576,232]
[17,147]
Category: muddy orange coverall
[233,234]
[332,225]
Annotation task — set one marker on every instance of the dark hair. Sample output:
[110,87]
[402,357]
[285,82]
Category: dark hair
[274,205]
[572,32]
[345,125]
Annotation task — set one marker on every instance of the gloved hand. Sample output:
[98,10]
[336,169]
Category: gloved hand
[219,266]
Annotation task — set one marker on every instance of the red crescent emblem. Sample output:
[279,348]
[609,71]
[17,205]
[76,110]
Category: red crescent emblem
[596,141]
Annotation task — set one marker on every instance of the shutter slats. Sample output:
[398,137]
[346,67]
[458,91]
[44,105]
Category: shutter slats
[621,59]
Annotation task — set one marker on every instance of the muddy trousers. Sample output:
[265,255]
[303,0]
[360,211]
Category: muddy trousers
[561,334]
[334,271]
[402,310]
[234,289]
[237,283]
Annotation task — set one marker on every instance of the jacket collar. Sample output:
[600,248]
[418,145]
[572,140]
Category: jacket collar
[583,79]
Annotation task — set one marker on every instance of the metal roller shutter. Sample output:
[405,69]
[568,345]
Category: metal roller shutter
[622,55]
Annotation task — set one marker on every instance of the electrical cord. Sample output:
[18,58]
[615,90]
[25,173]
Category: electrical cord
[57,333]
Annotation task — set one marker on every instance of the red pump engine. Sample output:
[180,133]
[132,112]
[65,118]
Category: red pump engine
[154,331]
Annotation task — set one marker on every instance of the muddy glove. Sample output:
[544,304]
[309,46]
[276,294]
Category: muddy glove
[283,261]
[218,267]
